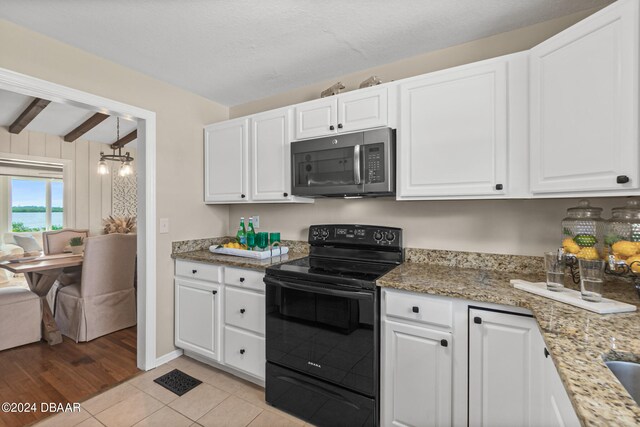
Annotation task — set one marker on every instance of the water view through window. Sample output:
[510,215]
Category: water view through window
[30,205]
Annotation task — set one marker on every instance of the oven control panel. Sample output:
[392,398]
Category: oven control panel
[365,235]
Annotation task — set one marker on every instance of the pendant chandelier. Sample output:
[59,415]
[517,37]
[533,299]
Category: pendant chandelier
[125,159]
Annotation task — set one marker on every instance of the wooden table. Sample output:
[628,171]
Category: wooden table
[41,274]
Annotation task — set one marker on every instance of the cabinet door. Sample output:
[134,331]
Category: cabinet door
[271,156]
[501,369]
[197,317]
[316,118]
[556,408]
[453,132]
[226,160]
[416,371]
[362,110]
[584,105]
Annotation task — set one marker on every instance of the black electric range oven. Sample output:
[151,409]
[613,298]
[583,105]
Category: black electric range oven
[322,325]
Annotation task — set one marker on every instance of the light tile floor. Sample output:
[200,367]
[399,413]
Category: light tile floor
[221,400]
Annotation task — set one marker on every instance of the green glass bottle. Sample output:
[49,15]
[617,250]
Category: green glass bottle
[241,235]
[251,235]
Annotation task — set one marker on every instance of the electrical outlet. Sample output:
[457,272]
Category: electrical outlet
[256,221]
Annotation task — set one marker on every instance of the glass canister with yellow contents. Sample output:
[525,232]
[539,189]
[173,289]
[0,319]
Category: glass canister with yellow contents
[622,235]
[582,231]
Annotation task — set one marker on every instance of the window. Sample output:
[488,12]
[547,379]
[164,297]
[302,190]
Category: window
[36,204]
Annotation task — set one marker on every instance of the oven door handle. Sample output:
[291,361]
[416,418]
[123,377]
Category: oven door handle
[319,290]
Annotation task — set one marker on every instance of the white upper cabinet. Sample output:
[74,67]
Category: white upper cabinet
[454,130]
[364,110]
[584,105]
[226,175]
[271,155]
[316,118]
[249,160]
[348,112]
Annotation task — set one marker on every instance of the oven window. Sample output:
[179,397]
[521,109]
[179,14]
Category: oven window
[329,337]
[326,168]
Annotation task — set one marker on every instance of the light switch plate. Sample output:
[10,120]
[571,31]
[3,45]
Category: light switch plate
[256,221]
[164,225]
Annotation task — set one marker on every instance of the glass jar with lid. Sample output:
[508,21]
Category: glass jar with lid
[583,231]
[622,234]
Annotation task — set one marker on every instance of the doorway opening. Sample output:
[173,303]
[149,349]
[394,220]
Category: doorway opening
[42,192]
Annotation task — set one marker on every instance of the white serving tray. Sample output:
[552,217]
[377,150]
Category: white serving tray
[569,296]
[277,251]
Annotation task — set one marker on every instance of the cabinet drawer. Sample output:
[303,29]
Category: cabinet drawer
[244,351]
[198,270]
[249,279]
[419,308]
[245,309]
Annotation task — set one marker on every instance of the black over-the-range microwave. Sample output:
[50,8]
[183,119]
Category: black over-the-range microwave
[360,164]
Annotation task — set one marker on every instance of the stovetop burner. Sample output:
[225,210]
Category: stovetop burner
[348,255]
[354,273]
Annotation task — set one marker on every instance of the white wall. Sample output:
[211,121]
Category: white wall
[93,192]
[523,227]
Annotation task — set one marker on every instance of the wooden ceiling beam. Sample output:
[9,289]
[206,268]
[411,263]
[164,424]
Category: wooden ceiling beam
[125,140]
[85,127]
[30,113]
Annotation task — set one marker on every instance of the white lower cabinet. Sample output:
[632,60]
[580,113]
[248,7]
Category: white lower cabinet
[497,373]
[220,316]
[417,376]
[245,351]
[244,309]
[556,409]
[197,323]
[504,369]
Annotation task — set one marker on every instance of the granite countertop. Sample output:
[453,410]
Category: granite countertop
[578,340]
[205,255]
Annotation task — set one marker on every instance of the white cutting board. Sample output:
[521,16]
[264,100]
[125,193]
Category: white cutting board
[569,296]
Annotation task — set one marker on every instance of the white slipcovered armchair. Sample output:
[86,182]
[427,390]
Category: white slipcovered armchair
[10,250]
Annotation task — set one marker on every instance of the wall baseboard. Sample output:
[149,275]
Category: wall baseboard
[168,357]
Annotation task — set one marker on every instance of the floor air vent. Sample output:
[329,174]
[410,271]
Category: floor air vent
[177,382]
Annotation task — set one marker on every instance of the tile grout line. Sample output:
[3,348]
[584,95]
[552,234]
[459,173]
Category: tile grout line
[159,409]
[205,414]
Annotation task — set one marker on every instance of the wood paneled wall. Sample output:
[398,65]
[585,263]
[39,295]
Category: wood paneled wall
[93,192]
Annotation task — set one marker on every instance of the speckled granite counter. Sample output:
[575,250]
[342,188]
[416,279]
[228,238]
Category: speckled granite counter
[577,339]
[233,261]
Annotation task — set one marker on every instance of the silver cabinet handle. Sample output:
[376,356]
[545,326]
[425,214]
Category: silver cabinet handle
[356,164]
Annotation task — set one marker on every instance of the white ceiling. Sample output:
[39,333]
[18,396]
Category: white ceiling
[60,119]
[236,51]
